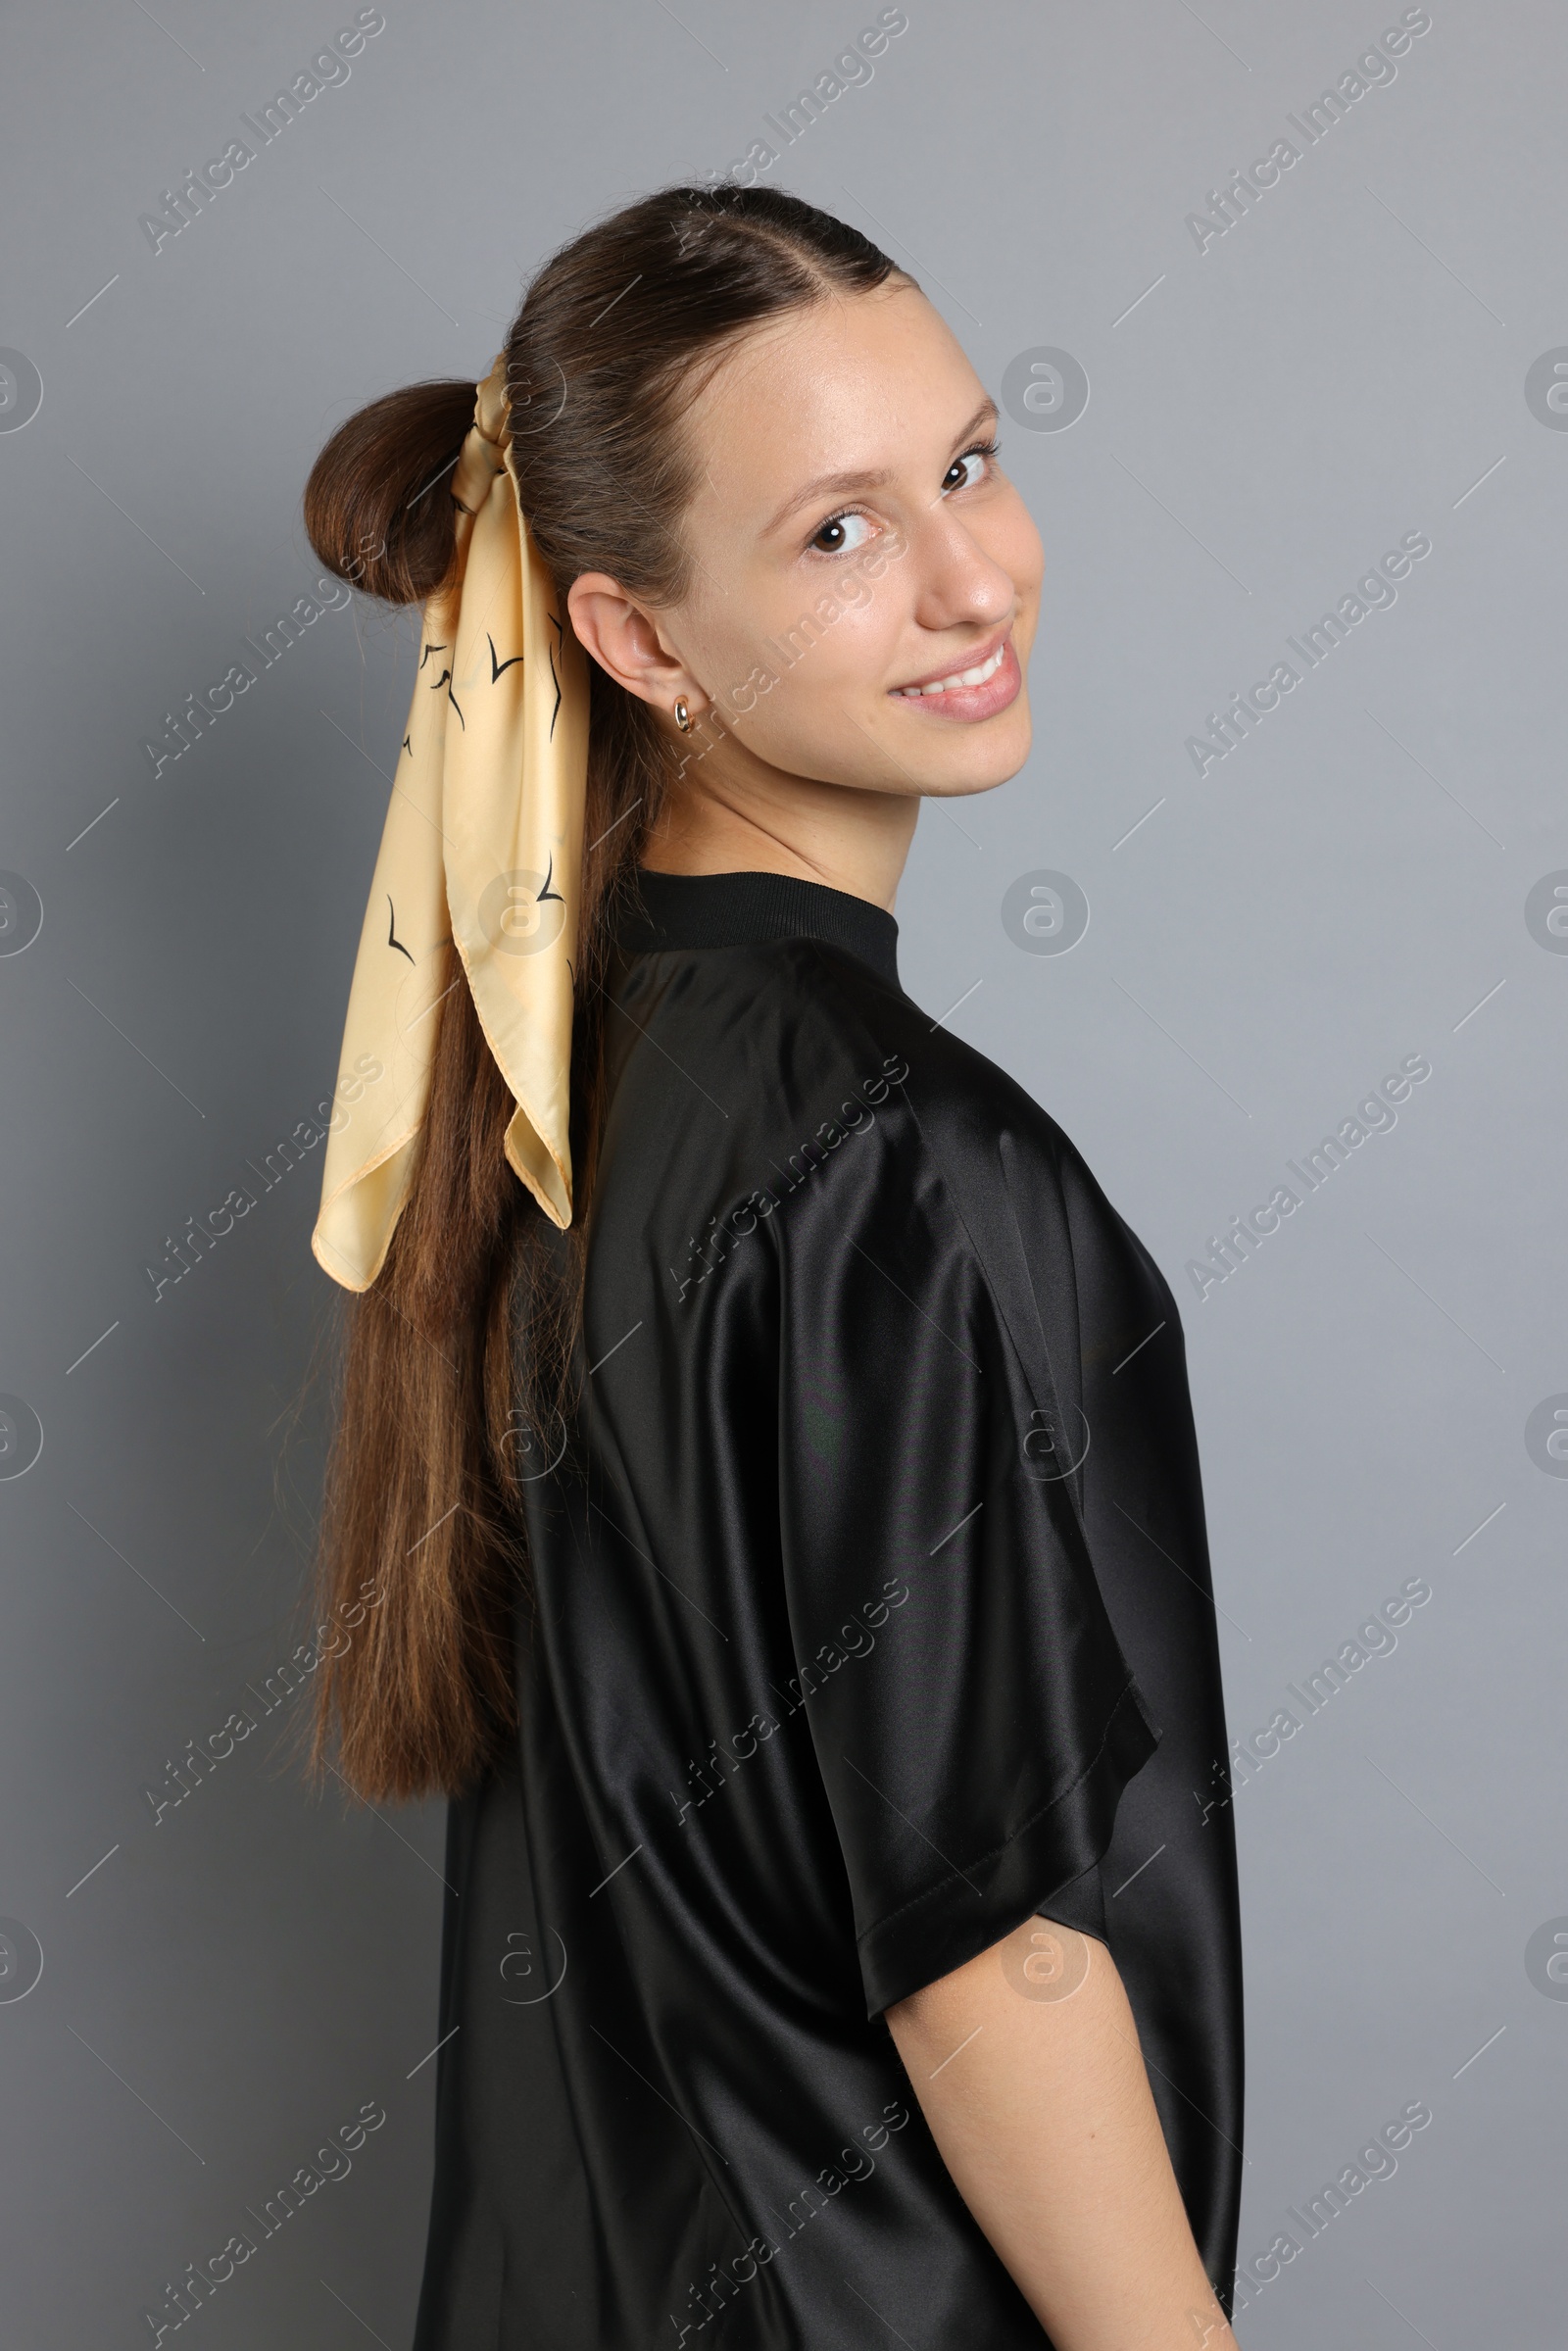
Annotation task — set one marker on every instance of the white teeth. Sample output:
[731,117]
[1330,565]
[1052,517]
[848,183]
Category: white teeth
[965,677]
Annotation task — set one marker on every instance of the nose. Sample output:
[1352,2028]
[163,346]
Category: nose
[959,585]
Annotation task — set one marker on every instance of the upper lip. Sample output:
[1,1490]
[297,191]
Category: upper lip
[969,659]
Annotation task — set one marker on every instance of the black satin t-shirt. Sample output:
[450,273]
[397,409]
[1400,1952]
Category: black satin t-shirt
[870,1614]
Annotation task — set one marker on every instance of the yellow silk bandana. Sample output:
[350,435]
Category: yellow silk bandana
[484,845]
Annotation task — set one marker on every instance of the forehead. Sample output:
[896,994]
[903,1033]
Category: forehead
[864,381]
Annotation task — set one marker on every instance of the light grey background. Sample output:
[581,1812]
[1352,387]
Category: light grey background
[1347,886]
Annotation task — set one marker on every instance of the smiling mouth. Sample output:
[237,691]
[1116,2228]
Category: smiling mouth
[979,675]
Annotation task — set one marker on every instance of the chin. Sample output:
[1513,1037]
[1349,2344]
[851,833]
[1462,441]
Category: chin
[985,761]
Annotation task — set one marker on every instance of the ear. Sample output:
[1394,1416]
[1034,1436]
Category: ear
[624,640]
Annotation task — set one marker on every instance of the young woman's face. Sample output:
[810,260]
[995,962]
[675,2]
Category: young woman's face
[856,548]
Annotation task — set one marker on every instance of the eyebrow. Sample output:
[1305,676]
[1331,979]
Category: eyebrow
[845,486]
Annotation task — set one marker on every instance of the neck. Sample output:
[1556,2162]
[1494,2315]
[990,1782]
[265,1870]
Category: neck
[768,823]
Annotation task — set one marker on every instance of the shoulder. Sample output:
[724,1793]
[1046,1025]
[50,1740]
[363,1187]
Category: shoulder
[960,1175]
[785,1085]
[949,1108]
[934,1146]
[833,1016]
[775,1041]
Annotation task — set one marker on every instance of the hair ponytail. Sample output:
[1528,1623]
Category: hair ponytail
[377,508]
[454,1373]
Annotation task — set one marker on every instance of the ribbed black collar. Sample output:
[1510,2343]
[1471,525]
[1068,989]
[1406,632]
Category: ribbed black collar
[734,910]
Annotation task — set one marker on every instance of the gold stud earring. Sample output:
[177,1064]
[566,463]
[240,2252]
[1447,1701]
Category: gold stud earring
[683,716]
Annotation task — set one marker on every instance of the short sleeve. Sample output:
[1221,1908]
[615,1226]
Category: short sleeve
[973,1717]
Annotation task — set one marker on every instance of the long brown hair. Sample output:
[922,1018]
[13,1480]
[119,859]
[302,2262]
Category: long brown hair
[455,1364]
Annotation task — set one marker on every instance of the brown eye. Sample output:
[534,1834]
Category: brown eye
[964,472]
[840,534]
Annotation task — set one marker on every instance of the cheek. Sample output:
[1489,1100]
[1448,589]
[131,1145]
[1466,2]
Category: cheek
[724,649]
[822,716]
[826,665]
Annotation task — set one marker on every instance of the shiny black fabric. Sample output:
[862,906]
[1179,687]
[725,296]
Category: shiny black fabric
[876,1618]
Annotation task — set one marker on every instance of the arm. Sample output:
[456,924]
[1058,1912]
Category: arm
[1027,2066]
